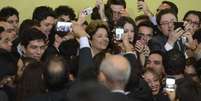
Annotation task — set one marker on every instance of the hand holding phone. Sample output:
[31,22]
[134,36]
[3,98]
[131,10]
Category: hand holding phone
[119,34]
[170,84]
[88,11]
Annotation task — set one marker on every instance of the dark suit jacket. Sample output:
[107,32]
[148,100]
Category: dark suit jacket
[87,69]
[50,51]
[158,43]
[7,63]
[138,88]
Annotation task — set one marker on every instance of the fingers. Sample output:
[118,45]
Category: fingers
[124,12]
[139,46]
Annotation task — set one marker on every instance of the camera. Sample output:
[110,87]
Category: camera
[179,25]
[170,84]
[88,11]
[119,33]
[63,26]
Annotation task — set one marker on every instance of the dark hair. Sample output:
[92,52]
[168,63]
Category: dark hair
[26,24]
[31,82]
[42,12]
[51,36]
[65,10]
[56,79]
[2,19]
[142,17]
[162,54]
[94,26]
[194,12]
[8,11]
[172,6]
[123,20]
[116,2]
[163,12]
[32,34]
[146,24]
[176,62]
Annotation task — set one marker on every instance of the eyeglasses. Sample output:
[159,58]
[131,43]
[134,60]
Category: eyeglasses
[166,23]
[194,23]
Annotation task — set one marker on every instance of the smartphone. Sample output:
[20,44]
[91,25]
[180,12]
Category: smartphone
[119,33]
[178,24]
[88,11]
[170,84]
[63,26]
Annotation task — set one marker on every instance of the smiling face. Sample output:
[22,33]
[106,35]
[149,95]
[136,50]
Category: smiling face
[14,21]
[153,82]
[100,40]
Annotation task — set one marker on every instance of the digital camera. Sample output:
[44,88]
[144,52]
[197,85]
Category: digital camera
[63,26]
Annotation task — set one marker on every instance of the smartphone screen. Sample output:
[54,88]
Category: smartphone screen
[119,33]
[63,26]
[170,84]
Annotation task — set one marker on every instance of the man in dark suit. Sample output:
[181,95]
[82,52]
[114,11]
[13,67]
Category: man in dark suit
[168,38]
[7,61]
[114,71]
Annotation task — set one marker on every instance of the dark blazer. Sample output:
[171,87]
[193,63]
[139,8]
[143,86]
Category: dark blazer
[158,43]
[138,88]
[87,69]
[50,51]
[7,63]
[3,96]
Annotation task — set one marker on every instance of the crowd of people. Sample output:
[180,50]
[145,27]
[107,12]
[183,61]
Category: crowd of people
[58,56]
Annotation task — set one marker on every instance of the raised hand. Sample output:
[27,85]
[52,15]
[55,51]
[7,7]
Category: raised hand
[175,35]
[78,30]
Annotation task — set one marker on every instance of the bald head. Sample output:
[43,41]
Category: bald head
[116,68]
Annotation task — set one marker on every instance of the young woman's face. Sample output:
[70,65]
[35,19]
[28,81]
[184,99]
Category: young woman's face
[100,39]
[153,82]
[128,28]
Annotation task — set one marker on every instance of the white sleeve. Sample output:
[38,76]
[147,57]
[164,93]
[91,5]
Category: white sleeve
[153,20]
[168,46]
[84,42]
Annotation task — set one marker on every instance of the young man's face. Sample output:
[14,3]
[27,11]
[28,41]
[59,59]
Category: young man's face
[155,62]
[116,11]
[194,21]
[14,21]
[7,36]
[166,25]
[35,49]
[46,25]
[146,33]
